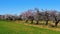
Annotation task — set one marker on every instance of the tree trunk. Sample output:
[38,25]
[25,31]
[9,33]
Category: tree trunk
[26,21]
[37,22]
[31,21]
[56,23]
[46,22]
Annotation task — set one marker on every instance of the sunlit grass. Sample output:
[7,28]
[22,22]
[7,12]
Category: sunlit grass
[11,27]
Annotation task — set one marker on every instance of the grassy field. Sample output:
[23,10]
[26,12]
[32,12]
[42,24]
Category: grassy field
[11,27]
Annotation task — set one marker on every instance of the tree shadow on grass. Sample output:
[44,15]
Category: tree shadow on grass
[52,26]
[39,24]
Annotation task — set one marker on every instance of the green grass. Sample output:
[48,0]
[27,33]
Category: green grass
[10,27]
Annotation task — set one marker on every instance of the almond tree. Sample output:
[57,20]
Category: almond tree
[37,15]
[47,17]
[28,15]
[54,14]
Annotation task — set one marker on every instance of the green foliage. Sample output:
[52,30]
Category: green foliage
[10,27]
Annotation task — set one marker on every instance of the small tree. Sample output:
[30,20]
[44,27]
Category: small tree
[47,19]
[54,14]
[37,15]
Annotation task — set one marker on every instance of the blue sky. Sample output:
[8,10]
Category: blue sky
[19,6]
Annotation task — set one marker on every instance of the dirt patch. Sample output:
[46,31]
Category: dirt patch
[44,26]
[40,26]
